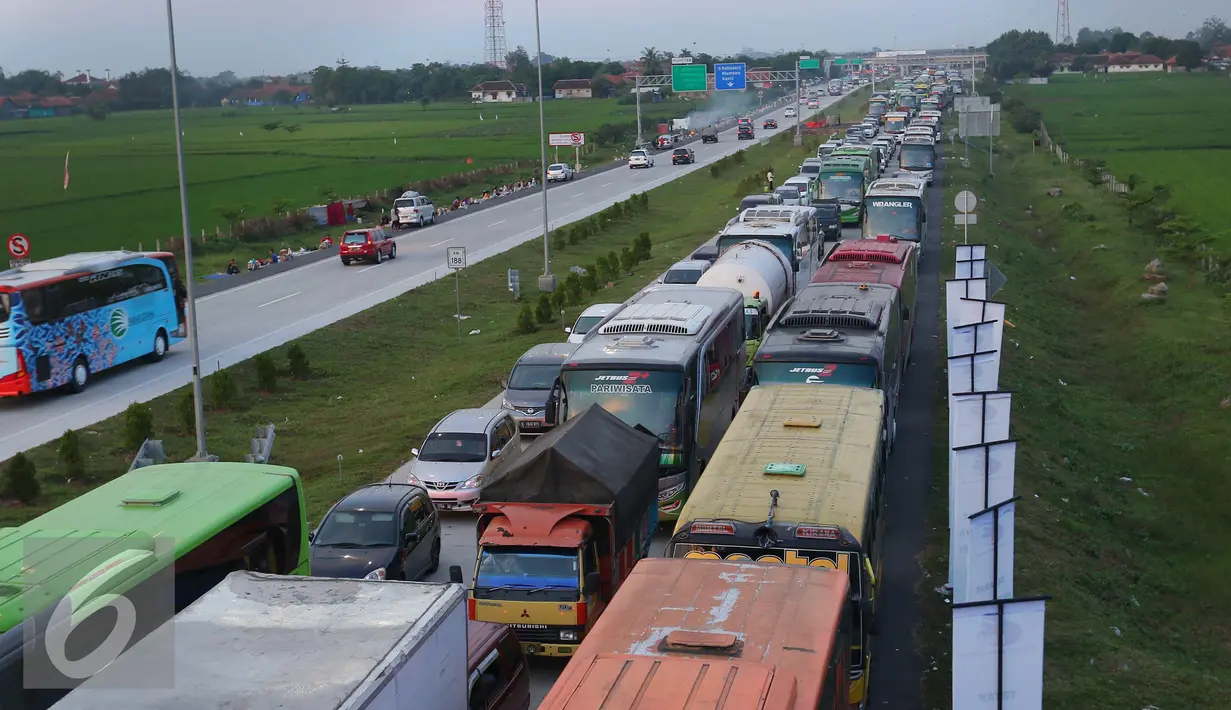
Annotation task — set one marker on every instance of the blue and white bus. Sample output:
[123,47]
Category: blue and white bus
[65,319]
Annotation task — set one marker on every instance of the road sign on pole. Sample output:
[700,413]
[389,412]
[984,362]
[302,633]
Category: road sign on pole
[457,257]
[566,140]
[730,77]
[19,246]
[809,63]
[688,77]
[681,60]
[965,201]
[457,261]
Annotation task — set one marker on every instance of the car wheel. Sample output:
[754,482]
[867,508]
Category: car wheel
[345,261]
[435,560]
[393,253]
[380,256]
[79,378]
[160,346]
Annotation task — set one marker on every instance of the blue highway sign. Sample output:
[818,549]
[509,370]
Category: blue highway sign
[730,77]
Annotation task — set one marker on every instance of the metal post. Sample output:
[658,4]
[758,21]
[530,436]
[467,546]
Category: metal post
[637,89]
[991,148]
[457,289]
[799,138]
[188,278]
[547,282]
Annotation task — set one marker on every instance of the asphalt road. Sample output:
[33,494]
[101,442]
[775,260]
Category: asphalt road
[257,315]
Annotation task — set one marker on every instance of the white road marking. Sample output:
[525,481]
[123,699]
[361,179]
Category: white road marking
[607,183]
[444,242]
[375,266]
[279,300]
[576,196]
[493,224]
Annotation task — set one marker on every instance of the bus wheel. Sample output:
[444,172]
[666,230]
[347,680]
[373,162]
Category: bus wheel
[160,346]
[80,376]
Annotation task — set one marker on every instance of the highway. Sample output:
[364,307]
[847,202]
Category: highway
[237,323]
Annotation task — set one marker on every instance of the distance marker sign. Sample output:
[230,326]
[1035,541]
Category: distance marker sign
[19,246]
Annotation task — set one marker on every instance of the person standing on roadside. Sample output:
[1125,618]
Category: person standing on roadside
[769,177]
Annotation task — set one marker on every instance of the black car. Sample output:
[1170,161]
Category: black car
[769,123]
[381,531]
[745,133]
[682,156]
[829,219]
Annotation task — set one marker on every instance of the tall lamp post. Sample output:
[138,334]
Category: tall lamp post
[547,282]
[188,278]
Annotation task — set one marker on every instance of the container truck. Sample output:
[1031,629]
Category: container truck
[561,525]
[760,272]
[261,641]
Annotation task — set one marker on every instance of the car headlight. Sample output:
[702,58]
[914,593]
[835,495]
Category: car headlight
[378,573]
[413,480]
[568,635]
[504,404]
[473,481]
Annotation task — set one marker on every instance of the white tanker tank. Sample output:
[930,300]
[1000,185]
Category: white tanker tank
[756,269]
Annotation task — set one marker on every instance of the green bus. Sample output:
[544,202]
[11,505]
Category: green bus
[845,180]
[862,150]
[203,520]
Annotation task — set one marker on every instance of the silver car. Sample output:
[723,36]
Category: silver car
[461,450]
[559,172]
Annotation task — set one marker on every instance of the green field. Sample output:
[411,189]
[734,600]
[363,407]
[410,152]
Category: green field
[124,188]
[1169,129]
[1123,462]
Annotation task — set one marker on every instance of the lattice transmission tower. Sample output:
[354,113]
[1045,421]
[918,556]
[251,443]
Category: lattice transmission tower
[1064,31]
[494,48]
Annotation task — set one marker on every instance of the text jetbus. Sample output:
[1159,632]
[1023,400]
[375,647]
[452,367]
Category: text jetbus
[65,319]
[205,519]
[672,361]
[798,479]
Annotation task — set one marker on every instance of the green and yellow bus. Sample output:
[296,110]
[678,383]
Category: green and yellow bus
[199,521]
[798,479]
[845,180]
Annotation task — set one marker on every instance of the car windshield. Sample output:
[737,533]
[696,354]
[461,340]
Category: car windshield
[789,192]
[355,238]
[454,448]
[784,373]
[584,324]
[809,169]
[357,528]
[4,307]
[637,397]
[527,568]
[558,167]
[533,377]
[682,276]
[847,187]
[404,202]
[638,154]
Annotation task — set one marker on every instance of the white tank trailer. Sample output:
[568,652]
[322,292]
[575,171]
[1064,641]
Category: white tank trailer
[756,269]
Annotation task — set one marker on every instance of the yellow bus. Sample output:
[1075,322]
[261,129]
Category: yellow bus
[798,478]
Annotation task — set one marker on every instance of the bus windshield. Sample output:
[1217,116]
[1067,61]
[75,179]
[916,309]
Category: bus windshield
[845,187]
[646,398]
[794,373]
[895,124]
[897,217]
[917,157]
[785,244]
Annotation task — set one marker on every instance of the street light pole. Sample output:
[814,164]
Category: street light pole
[547,282]
[188,278]
[799,137]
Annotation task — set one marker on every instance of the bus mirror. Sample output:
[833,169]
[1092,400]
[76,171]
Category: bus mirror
[455,574]
[589,585]
[311,536]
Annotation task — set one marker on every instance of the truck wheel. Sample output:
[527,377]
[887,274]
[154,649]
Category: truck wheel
[160,346]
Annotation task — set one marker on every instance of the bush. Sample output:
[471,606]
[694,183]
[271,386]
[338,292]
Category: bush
[186,410]
[1024,119]
[572,290]
[558,240]
[602,270]
[223,390]
[589,280]
[69,453]
[266,373]
[613,265]
[543,312]
[642,246]
[574,235]
[297,359]
[21,480]
[627,260]
[559,300]
[138,425]
[525,320]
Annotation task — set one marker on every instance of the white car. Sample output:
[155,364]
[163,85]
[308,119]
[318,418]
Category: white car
[412,208]
[589,318]
[790,112]
[559,172]
[640,159]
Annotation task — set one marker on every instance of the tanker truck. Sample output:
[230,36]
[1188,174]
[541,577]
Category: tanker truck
[758,270]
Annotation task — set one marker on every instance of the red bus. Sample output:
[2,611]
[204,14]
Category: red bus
[884,260]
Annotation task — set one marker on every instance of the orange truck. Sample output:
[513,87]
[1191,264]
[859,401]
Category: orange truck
[560,526]
[685,634]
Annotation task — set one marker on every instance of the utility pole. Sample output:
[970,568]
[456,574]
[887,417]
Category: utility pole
[547,282]
[637,89]
[799,136]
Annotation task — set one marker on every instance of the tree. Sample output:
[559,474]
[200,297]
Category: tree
[21,480]
[1122,42]
[1212,31]
[1015,51]
[651,61]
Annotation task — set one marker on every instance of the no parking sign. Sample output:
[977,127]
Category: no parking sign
[19,249]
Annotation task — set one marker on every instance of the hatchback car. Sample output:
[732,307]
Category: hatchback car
[769,123]
[375,244]
[745,133]
[640,159]
[461,450]
[381,531]
[529,384]
[683,156]
[559,172]
[790,112]
[589,318]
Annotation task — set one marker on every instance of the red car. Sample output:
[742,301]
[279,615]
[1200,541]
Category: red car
[374,244]
[769,123]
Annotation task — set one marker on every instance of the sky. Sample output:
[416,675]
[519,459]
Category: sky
[252,37]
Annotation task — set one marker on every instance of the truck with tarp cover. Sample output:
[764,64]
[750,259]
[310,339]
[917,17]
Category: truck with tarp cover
[560,527]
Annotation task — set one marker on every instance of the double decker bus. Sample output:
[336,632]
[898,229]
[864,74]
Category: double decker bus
[672,360]
[798,479]
[647,652]
[66,319]
[186,525]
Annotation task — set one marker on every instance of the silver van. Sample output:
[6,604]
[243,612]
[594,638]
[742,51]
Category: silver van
[460,451]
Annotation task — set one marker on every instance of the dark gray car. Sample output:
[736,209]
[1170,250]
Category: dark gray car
[381,531]
[529,384]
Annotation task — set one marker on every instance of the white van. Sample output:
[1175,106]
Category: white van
[412,208]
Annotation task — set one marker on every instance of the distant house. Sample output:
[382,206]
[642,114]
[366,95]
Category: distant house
[271,95]
[8,109]
[1063,63]
[500,91]
[573,89]
[49,107]
[1173,66]
[83,80]
[1133,62]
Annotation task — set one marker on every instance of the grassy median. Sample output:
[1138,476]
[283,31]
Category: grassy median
[379,380]
[1123,407]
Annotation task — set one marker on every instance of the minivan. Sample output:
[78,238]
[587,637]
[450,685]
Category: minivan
[374,244]
[529,384]
[459,453]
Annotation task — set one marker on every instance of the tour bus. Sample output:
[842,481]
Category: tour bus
[883,260]
[863,150]
[896,122]
[672,361]
[65,319]
[799,479]
[838,334]
[908,102]
[645,651]
[918,157]
[792,229]
[845,180]
[835,87]
[896,206]
[192,522]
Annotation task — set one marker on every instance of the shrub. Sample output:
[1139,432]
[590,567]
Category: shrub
[613,264]
[558,241]
[525,320]
[69,453]
[627,260]
[266,373]
[589,280]
[297,359]
[223,390]
[572,290]
[186,410]
[138,425]
[642,246]
[21,480]
[542,312]
[574,235]
[1024,119]
[602,270]
[559,300]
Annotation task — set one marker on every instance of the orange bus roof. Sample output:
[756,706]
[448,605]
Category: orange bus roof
[866,261]
[684,634]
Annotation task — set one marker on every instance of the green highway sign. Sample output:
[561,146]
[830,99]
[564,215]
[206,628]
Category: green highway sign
[810,64]
[857,61]
[839,61]
[689,77]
